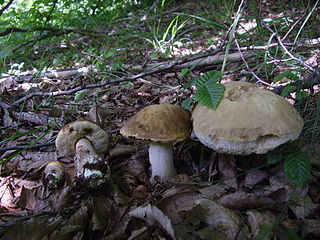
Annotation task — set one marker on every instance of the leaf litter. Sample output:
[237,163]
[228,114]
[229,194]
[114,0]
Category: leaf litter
[128,207]
[235,204]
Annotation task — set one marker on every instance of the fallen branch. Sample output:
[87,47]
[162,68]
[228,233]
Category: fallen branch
[194,61]
[6,7]
[61,31]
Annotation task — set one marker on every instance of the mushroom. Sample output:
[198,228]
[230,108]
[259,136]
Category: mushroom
[247,120]
[53,175]
[162,125]
[86,141]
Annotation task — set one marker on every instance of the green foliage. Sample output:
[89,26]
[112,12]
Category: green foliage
[10,156]
[297,167]
[164,41]
[287,90]
[187,104]
[209,91]
[265,231]
[288,74]
[290,234]
[297,164]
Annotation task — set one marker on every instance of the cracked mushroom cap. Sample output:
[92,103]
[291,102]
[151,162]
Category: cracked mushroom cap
[247,120]
[164,123]
[69,135]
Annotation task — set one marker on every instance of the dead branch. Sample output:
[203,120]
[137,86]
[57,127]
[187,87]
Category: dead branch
[89,32]
[195,61]
[4,149]
[198,60]
[6,7]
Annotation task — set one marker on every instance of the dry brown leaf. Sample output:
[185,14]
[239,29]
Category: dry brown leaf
[10,190]
[32,229]
[302,205]
[228,170]
[209,218]
[254,177]
[28,200]
[33,161]
[178,202]
[61,199]
[256,219]
[244,200]
[154,216]
[312,226]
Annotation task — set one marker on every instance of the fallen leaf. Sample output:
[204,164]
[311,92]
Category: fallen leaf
[256,219]
[254,177]
[228,170]
[154,216]
[244,200]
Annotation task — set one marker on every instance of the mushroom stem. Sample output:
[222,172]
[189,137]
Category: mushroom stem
[87,163]
[160,156]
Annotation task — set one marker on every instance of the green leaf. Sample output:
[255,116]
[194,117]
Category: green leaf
[209,92]
[200,81]
[290,234]
[187,104]
[288,89]
[273,157]
[5,53]
[290,75]
[302,95]
[265,231]
[297,167]
[79,96]
[184,73]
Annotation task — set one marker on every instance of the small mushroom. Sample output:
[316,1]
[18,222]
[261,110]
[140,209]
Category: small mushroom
[247,120]
[54,175]
[162,125]
[86,141]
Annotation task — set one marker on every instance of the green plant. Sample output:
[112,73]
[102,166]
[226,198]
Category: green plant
[10,156]
[297,164]
[209,91]
[168,39]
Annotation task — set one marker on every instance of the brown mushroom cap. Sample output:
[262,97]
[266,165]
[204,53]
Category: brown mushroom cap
[247,120]
[69,135]
[163,123]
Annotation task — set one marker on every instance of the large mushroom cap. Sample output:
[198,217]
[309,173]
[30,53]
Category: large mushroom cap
[247,120]
[69,135]
[159,123]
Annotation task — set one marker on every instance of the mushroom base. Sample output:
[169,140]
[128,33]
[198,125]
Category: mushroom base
[259,146]
[160,156]
[90,167]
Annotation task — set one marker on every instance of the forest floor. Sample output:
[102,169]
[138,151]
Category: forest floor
[212,197]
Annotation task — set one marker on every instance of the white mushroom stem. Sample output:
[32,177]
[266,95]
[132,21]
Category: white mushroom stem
[160,157]
[86,155]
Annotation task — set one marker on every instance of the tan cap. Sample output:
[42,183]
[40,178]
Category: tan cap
[69,135]
[247,120]
[163,123]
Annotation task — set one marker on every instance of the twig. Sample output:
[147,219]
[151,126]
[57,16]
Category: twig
[50,13]
[247,66]
[164,67]
[287,51]
[10,223]
[55,30]
[6,7]
[293,26]
[4,149]
[305,84]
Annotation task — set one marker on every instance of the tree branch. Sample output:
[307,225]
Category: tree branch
[6,7]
